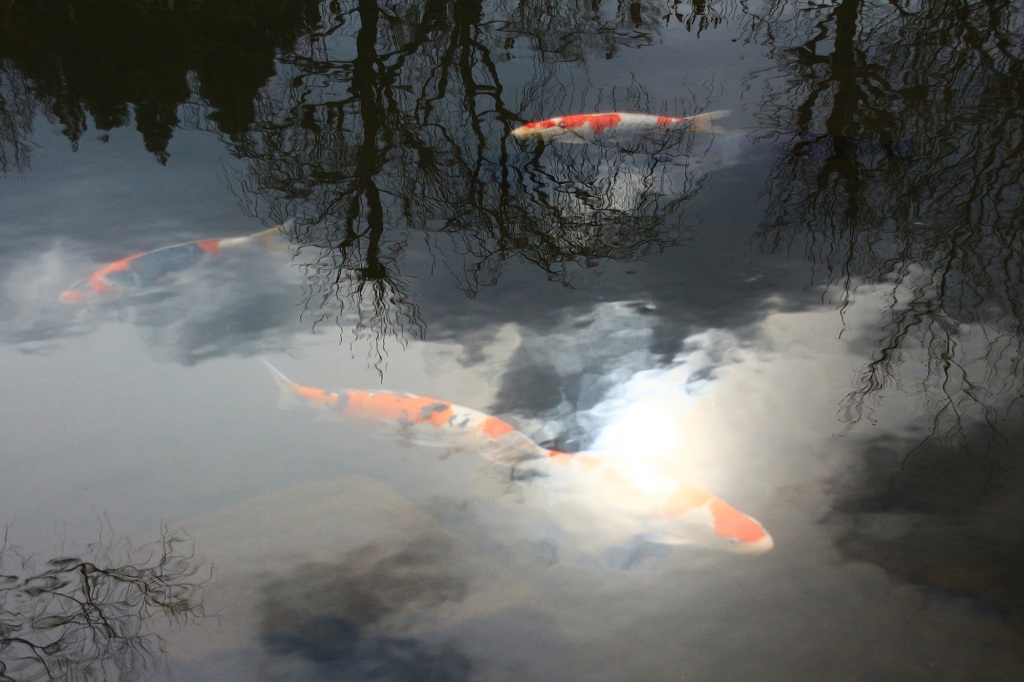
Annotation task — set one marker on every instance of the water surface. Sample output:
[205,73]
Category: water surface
[813,310]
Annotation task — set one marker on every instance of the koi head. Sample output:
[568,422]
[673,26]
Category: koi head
[692,516]
[581,126]
[546,129]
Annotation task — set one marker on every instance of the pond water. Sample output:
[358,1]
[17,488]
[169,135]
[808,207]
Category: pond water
[809,309]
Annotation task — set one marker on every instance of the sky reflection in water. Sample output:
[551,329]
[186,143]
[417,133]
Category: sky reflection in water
[812,314]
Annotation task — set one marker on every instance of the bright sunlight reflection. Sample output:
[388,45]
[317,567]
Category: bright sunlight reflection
[640,477]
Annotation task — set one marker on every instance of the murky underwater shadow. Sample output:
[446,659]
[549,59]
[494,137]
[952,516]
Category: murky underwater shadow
[938,516]
[344,621]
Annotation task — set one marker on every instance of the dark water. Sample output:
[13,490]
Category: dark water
[813,312]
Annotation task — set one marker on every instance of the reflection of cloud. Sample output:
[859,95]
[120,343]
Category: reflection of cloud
[242,306]
[239,303]
[629,408]
[743,419]
[30,313]
[764,432]
[576,361]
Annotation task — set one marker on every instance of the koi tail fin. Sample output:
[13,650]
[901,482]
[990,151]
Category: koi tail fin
[705,123]
[289,393]
[292,392]
[276,238]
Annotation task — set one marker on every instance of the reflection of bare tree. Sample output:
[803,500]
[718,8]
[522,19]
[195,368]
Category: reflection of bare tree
[110,63]
[390,128]
[907,166]
[572,31]
[16,112]
[92,618]
[697,16]
[583,204]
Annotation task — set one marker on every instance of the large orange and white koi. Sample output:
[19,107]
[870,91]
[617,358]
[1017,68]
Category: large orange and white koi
[141,271]
[459,426]
[675,514]
[593,126]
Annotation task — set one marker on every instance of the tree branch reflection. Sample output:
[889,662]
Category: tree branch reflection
[109,63]
[914,180]
[16,112]
[390,126]
[385,125]
[93,618]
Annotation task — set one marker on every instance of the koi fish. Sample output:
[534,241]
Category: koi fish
[677,515]
[591,126]
[460,426]
[143,270]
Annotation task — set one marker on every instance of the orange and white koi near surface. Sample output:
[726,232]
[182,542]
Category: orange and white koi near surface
[458,426]
[142,271]
[593,126]
[669,513]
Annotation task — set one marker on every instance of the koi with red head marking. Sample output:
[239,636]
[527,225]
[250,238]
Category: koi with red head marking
[673,515]
[142,271]
[593,126]
[662,510]
[721,524]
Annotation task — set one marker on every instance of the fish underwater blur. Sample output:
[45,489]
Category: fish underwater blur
[666,512]
[141,272]
[590,127]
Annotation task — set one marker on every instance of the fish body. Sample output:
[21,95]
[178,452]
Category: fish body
[593,126]
[459,425]
[668,513]
[142,271]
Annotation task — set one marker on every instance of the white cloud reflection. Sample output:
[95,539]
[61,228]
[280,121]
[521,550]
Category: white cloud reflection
[752,415]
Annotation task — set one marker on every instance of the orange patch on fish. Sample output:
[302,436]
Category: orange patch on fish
[541,125]
[396,407]
[96,283]
[210,246]
[734,524]
[496,428]
[598,122]
[315,395]
[123,264]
